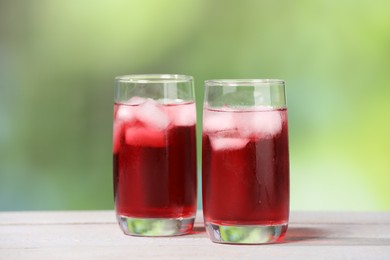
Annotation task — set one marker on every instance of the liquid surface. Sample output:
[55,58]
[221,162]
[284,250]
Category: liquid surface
[245,167]
[154,150]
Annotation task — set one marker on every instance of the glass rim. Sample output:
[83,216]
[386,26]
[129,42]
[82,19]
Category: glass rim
[154,78]
[242,82]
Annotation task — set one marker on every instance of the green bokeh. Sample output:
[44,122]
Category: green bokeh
[58,60]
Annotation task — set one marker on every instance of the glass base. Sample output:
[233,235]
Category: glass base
[155,227]
[248,234]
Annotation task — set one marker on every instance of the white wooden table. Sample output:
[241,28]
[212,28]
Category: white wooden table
[96,235]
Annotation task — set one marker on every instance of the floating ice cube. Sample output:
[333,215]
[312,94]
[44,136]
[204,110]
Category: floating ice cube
[152,115]
[217,121]
[125,113]
[259,123]
[117,129]
[140,136]
[227,143]
[182,115]
[135,101]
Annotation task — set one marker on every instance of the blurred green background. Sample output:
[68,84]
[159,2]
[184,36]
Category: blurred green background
[58,60]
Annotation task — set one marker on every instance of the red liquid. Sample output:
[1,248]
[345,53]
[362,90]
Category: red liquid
[155,170]
[248,185]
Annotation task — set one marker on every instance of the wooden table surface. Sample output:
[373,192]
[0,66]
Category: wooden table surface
[96,235]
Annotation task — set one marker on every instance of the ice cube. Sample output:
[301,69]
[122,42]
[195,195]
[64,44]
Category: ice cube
[125,113]
[218,121]
[117,129]
[182,115]
[135,101]
[262,124]
[227,143]
[140,136]
[152,115]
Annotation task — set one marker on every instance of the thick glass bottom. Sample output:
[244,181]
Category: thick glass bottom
[248,234]
[155,226]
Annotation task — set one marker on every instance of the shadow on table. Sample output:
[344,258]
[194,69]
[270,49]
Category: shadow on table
[327,237]
[297,234]
[198,230]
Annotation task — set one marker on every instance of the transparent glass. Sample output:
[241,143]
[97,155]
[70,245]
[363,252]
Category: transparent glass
[245,175]
[154,154]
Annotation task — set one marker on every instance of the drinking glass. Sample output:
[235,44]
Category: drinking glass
[245,179]
[154,147]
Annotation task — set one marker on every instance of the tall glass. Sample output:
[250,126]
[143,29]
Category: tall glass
[245,161]
[154,151]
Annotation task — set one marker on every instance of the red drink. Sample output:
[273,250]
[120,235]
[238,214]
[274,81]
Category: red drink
[246,167]
[154,160]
